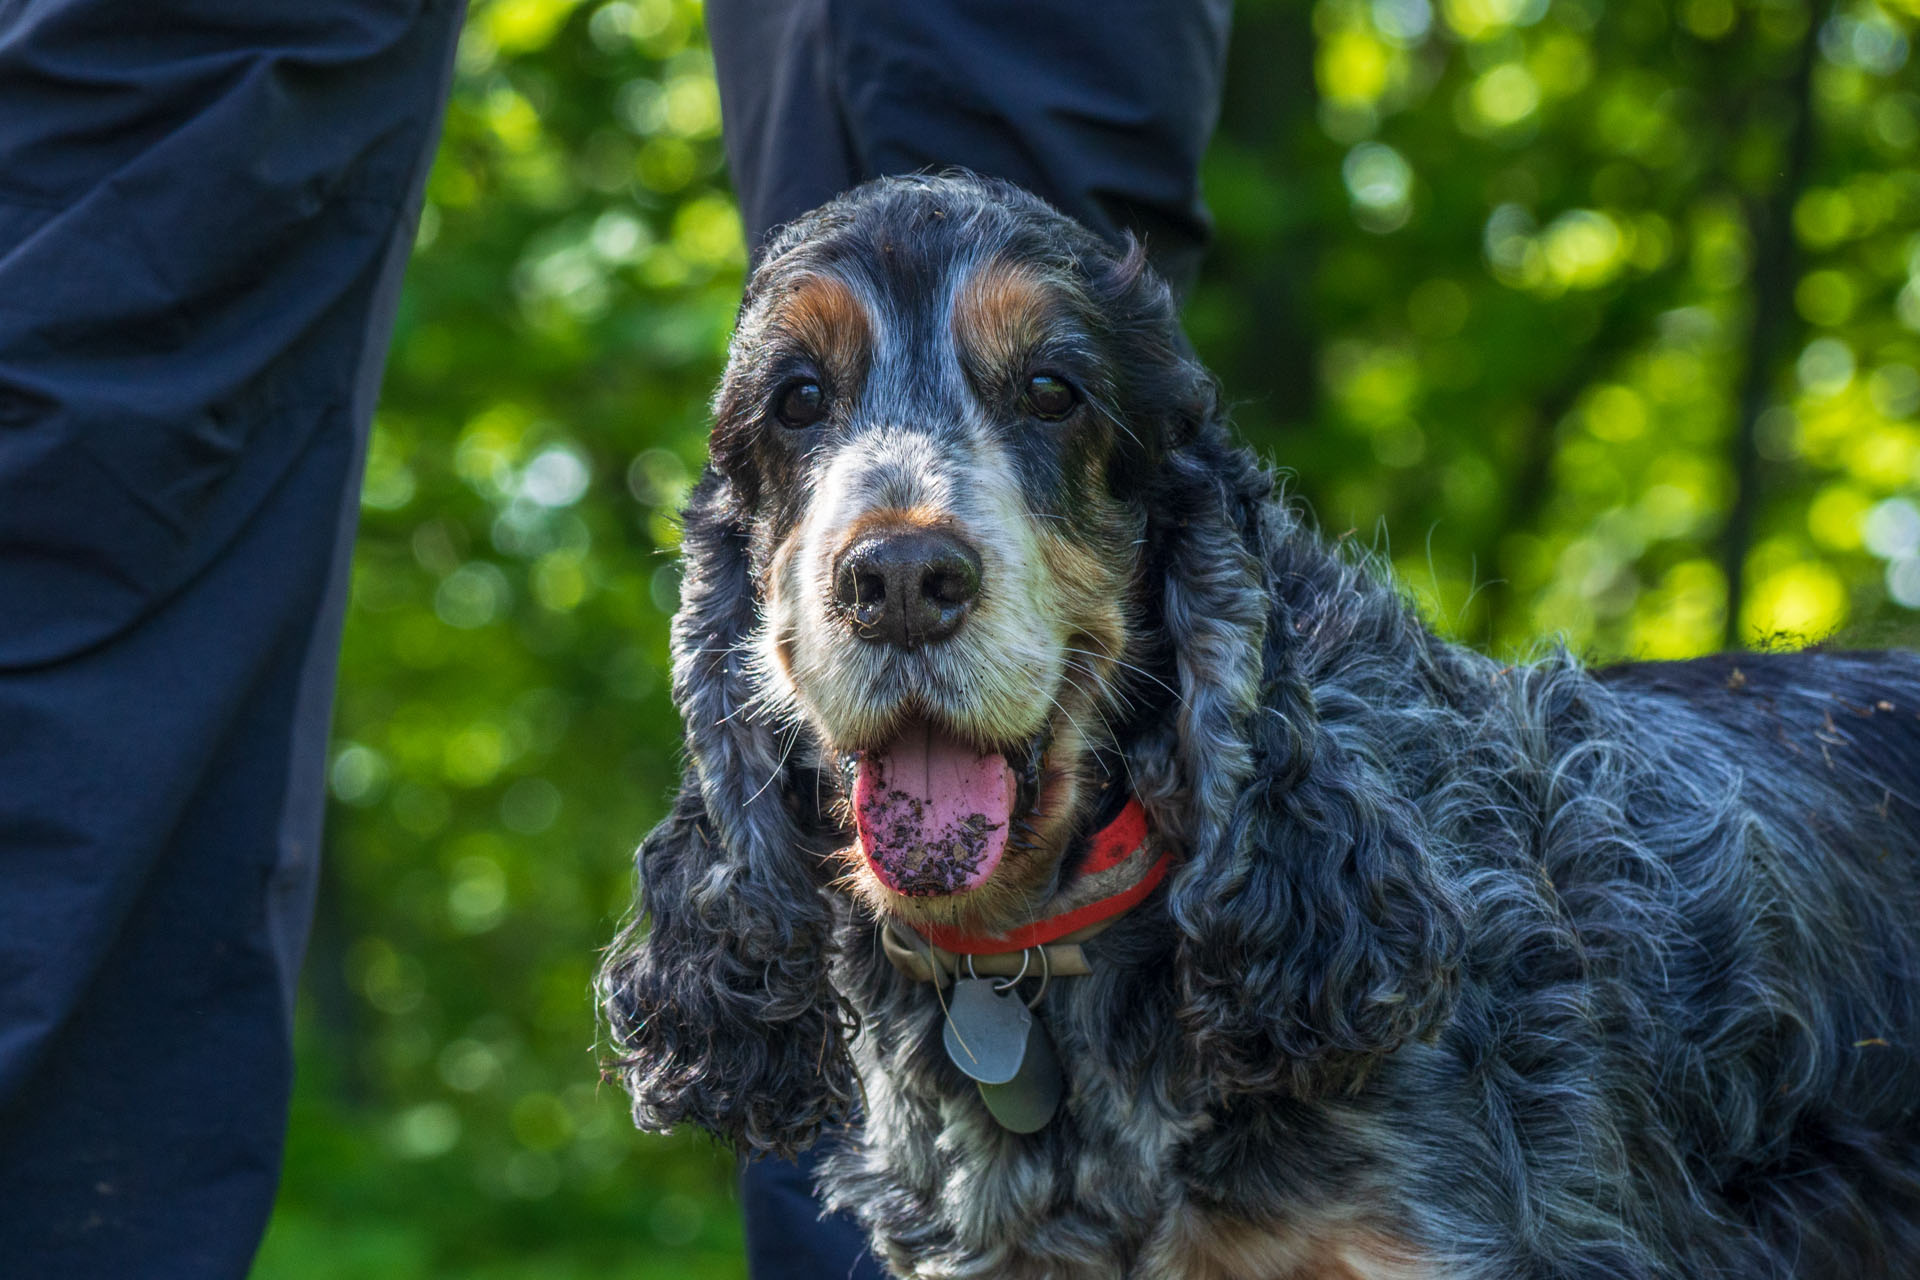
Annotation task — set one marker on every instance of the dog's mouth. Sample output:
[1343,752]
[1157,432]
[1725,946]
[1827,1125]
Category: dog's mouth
[934,814]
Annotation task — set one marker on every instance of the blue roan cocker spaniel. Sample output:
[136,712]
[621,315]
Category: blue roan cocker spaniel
[1153,895]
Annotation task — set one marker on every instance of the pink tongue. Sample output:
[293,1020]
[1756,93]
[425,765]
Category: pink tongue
[932,812]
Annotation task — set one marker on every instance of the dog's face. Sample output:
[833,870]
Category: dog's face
[973,535]
[939,454]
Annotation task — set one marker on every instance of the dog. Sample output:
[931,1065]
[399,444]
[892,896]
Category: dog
[1009,679]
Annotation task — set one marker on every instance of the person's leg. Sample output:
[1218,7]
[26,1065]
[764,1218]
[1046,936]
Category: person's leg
[1102,109]
[786,135]
[205,210]
[787,1236]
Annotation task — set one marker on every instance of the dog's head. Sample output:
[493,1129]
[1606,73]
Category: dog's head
[973,544]
[940,424]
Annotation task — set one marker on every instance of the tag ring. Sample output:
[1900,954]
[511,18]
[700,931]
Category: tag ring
[1046,976]
[1026,958]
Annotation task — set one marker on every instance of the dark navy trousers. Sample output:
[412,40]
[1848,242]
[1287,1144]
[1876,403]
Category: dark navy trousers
[1101,106]
[205,206]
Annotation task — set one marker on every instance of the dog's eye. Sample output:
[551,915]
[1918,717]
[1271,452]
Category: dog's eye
[1050,397]
[801,405]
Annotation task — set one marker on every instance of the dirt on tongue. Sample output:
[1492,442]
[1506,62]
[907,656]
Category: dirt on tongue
[932,812]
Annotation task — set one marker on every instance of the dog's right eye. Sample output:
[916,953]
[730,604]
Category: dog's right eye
[801,405]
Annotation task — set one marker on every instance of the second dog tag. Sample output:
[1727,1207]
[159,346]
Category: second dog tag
[1025,1103]
[986,1031]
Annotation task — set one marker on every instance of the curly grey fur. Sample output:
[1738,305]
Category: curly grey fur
[1471,970]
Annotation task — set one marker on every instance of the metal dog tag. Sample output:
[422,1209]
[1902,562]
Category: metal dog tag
[987,1032]
[1025,1103]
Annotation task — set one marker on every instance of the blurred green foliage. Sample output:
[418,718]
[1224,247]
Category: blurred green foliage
[1584,302]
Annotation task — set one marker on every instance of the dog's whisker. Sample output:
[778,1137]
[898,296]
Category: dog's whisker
[1100,692]
[780,767]
[1128,666]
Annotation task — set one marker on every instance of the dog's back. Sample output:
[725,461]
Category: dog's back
[1764,1017]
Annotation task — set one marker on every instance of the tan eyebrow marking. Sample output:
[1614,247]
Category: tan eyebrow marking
[1001,314]
[824,315]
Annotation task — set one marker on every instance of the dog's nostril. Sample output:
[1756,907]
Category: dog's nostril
[907,587]
[951,584]
[865,596]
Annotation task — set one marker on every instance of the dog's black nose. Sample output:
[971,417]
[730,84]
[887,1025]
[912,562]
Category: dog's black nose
[906,587]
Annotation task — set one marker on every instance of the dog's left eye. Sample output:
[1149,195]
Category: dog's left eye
[801,405]
[1051,397]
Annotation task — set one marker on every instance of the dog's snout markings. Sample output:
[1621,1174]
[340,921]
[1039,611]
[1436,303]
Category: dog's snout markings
[906,587]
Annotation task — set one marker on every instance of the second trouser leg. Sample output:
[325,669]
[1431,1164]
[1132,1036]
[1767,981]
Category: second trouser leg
[1103,109]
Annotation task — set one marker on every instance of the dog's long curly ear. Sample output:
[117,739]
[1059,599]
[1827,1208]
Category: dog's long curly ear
[1326,938]
[1316,933]
[719,1002]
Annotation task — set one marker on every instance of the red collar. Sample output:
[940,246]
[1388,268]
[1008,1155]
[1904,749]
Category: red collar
[1121,868]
